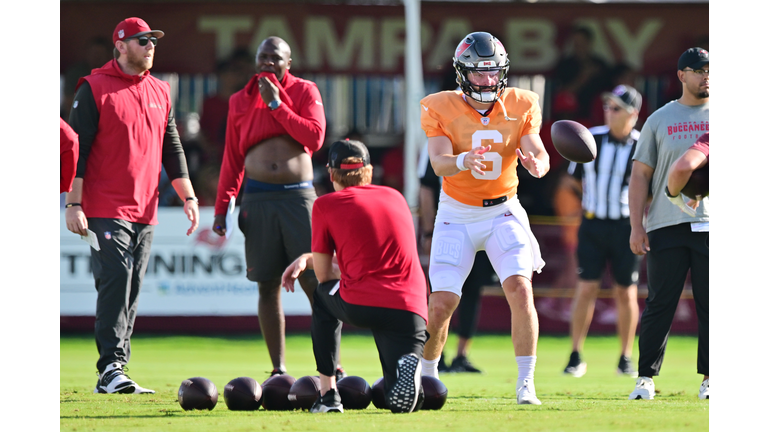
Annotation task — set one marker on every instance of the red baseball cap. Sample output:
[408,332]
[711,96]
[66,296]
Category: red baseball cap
[134,27]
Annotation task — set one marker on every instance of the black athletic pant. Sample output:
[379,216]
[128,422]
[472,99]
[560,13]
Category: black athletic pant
[674,251]
[396,332]
[118,270]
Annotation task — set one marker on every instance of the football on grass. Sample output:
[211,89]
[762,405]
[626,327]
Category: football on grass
[243,394]
[698,184]
[355,392]
[198,394]
[304,392]
[377,394]
[274,392]
[573,141]
[435,393]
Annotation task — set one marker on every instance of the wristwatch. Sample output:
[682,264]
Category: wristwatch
[274,104]
[666,192]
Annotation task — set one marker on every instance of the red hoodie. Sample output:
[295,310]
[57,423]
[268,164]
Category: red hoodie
[68,156]
[250,122]
[123,168]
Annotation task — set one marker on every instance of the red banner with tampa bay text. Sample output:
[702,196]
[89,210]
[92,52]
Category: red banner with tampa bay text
[371,39]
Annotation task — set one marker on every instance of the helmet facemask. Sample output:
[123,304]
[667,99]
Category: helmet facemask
[482,66]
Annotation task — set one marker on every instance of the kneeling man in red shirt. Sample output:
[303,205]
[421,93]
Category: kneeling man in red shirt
[365,259]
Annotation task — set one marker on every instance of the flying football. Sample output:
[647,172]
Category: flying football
[573,141]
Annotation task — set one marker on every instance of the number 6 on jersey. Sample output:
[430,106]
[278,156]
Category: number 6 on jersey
[493,157]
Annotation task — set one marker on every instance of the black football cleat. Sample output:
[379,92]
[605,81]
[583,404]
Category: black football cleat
[329,402]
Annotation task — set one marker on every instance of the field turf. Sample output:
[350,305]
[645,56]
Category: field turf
[476,402]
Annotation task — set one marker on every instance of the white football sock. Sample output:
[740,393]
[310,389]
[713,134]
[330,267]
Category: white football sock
[429,367]
[525,367]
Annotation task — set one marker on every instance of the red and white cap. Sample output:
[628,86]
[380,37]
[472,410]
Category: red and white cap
[134,27]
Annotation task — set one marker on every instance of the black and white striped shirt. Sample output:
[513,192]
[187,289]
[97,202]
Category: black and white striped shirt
[605,180]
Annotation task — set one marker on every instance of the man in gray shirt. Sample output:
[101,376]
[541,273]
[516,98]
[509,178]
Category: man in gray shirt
[674,241]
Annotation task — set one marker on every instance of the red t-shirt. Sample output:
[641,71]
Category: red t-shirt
[702,144]
[371,230]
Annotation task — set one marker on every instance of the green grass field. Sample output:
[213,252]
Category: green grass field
[486,402]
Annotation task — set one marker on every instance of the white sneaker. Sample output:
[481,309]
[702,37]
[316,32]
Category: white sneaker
[139,389]
[114,380]
[704,389]
[577,371]
[644,389]
[526,395]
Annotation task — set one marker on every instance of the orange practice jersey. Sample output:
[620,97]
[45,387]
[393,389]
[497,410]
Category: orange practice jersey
[448,114]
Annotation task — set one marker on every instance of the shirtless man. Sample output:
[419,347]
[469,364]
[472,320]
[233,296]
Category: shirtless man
[274,125]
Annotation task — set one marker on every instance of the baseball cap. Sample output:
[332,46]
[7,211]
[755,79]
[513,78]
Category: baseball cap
[133,27]
[343,149]
[626,97]
[693,58]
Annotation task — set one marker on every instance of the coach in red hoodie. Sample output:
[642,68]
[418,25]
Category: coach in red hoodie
[274,125]
[127,134]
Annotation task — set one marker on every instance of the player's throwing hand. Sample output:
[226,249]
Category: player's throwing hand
[533,165]
[473,159]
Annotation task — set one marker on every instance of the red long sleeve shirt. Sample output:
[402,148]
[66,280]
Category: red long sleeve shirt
[250,122]
[68,156]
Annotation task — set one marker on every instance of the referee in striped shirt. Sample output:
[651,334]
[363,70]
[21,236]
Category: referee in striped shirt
[604,231]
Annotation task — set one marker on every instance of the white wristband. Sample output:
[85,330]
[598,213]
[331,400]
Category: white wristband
[460,161]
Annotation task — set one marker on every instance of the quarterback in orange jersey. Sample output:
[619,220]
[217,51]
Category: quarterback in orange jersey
[477,136]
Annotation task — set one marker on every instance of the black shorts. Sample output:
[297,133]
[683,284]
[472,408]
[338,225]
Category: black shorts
[603,241]
[277,228]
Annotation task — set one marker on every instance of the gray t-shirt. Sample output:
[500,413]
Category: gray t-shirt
[666,135]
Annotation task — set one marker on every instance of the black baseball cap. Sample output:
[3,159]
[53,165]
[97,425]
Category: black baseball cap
[693,58]
[626,97]
[343,149]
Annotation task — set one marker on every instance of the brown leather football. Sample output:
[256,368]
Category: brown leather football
[304,392]
[243,394]
[573,141]
[198,393]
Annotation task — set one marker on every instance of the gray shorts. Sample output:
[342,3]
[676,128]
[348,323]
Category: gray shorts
[277,228]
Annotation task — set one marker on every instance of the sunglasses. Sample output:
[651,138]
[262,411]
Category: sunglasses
[144,40]
[612,108]
[699,72]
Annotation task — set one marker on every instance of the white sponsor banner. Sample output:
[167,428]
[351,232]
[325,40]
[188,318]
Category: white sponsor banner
[202,274]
